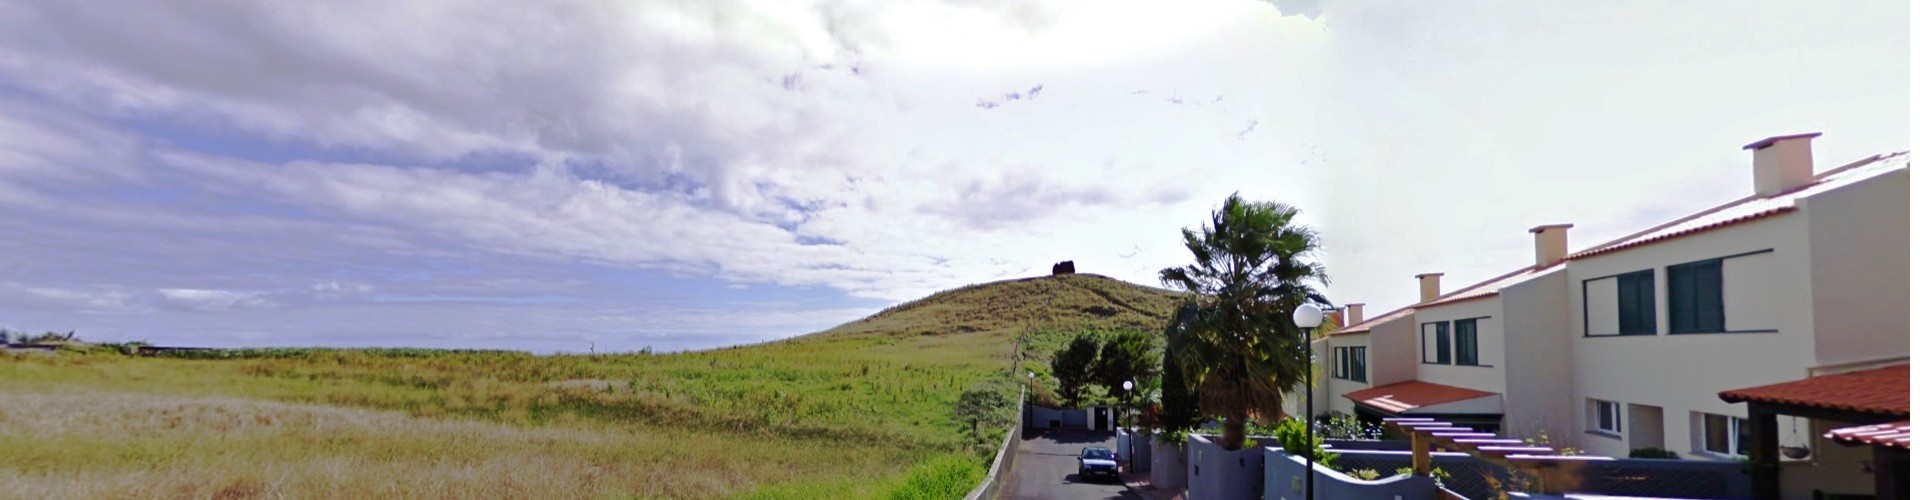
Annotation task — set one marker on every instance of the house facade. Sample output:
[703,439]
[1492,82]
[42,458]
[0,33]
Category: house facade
[1628,344]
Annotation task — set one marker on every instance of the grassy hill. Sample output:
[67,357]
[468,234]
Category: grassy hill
[861,410]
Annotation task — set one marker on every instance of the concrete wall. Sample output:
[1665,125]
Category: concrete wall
[1285,479]
[1217,474]
[1539,358]
[1294,402]
[1041,417]
[1860,269]
[1139,449]
[1395,351]
[1491,335]
[1683,374]
[1173,468]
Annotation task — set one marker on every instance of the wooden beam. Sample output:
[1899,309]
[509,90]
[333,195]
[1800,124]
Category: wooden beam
[1765,451]
[1489,442]
[1466,435]
[1422,457]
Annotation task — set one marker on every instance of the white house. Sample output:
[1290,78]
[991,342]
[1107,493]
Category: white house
[1630,344]
[1807,276]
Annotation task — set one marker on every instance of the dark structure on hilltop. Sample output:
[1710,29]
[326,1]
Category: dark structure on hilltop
[1063,267]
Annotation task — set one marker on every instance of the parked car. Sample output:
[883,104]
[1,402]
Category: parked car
[1098,462]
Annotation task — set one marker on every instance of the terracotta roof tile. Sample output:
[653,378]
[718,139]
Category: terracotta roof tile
[1369,323]
[1879,390]
[1491,287]
[1401,397]
[1891,435]
[1753,208]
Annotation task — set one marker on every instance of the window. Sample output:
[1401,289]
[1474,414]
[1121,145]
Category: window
[1439,345]
[1603,416]
[1454,342]
[1350,363]
[1636,303]
[1358,367]
[1720,434]
[1466,342]
[1693,298]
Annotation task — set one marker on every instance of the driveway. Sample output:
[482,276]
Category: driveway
[1048,467]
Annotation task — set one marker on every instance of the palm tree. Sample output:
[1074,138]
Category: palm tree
[1239,350]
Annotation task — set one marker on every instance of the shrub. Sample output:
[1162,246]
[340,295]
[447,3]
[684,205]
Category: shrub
[983,402]
[1365,474]
[1340,426]
[1073,367]
[1439,475]
[1651,452]
[943,477]
[1292,434]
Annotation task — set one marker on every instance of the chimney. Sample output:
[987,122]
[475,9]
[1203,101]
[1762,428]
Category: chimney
[1549,244]
[1429,285]
[1782,163]
[1354,316]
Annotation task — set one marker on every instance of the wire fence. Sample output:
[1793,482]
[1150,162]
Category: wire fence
[1472,477]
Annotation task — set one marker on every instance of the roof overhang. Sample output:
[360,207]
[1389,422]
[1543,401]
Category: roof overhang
[1414,397]
[1887,435]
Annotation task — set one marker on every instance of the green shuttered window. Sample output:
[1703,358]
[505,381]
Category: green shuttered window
[1636,303]
[1466,342]
[1694,298]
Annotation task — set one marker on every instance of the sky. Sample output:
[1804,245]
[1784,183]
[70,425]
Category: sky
[611,176]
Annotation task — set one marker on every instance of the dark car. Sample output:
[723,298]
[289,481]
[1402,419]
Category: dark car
[1098,462]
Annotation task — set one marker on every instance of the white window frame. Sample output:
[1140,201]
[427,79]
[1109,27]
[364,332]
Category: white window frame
[1734,425]
[1595,409]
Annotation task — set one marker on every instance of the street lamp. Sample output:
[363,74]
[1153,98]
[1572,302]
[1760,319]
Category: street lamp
[1128,386]
[1029,404]
[1308,317]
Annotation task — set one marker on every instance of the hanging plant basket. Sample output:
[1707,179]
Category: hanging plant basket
[1796,452]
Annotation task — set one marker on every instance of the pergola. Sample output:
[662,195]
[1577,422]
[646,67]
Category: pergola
[1892,443]
[1866,397]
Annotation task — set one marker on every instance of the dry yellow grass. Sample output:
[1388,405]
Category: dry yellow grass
[862,410]
[108,445]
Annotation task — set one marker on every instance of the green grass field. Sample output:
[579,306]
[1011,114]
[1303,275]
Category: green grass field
[864,410]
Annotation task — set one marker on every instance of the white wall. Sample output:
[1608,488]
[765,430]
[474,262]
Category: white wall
[1682,374]
[1491,335]
[1337,387]
[1294,402]
[1861,265]
[1538,364]
[1834,468]
[1395,351]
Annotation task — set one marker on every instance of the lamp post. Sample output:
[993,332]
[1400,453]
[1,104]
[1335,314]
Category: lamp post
[1308,317]
[1029,403]
[1128,387]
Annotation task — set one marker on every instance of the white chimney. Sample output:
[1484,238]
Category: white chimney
[1782,163]
[1354,314]
[1429,285]
[1549,244]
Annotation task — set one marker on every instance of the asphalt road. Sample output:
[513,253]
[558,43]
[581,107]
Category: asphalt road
[1047,467]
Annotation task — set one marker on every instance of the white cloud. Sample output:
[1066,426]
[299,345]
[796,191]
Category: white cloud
[212,300]
[462,159]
